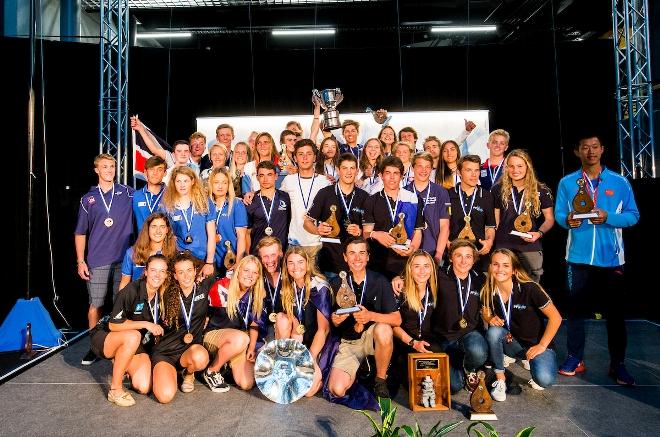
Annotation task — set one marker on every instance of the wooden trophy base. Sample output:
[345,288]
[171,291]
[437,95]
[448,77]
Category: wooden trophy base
[435,366]
[482,416]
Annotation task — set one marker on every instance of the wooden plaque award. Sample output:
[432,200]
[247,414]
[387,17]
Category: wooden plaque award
[428,382]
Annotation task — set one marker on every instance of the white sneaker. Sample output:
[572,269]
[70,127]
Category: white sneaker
[525,364]
[499,390]
[508,360]
[534,385]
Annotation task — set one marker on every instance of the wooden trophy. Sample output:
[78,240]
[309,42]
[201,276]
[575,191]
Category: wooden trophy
[480,401]
[428,382]
[334,224]
[230,256]
[523,223]
[583,203]
[399,233]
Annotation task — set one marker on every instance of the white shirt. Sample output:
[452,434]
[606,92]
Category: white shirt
[298,236]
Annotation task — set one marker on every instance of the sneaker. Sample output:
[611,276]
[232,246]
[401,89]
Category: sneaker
[499,390]
[380,388]
[525,364]
[621,375]
[471,381]
[534,385]
[508,360]
[215,382]
[89,359]
[572,366]
[121,400]
[188,383]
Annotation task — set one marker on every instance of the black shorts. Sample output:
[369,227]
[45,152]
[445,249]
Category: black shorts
[97,340]
[173,359]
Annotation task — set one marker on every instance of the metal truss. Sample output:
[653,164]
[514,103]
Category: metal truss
[113,113]
[634,94]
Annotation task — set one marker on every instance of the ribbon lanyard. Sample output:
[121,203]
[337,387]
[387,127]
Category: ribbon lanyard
[406,177]
[147,195]
[245,317]
[428,193]
[389,207]
[594,191]
[340,194]
[309,195]
[364,287]
[422,312]
[217,218]
[271,293]
[493,176]
[506,311]
[268,213]
[517,208]
[355,151]
[299,302]
[460,195]
[188,316]
[185,217]
[333,167]
[467,294]
[154,310]
[112,197]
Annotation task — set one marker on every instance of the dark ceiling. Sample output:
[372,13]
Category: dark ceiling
[372,23]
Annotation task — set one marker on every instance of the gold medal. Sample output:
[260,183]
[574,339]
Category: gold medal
[188,338]
[108,222]
[463,323]
[300,329]
[272,317]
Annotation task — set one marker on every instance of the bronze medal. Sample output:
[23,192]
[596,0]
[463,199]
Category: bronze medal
[188,338]
[300,329]
[189,239]
[108,222]
[508,337]
[463,323]
[272,317]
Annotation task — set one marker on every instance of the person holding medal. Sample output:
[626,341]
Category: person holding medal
[188,208]
[367,331]
[343,204]
[514,307]
[184,305]
[369,164]
[306,304]
[269,251]
[493,169]
[235,306]
[230,220]
[472,214]
[268,210]
[520,200]
[384,211]
[435,199]
[156,237]
[147,200]
[595,204]
[105,228]
[130,333]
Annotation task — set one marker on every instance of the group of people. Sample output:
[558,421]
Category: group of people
[244,243]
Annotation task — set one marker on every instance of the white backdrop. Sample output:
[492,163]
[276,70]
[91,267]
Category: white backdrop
[443,124]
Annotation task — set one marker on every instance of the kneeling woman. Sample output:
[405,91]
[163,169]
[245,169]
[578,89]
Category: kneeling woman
[130,333]
[307,307]
[514,307]
[183,314]
[232,331]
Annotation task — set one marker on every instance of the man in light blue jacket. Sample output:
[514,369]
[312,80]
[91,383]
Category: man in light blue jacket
[594,253]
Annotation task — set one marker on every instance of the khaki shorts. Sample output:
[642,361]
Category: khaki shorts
[213,338]
[352,352]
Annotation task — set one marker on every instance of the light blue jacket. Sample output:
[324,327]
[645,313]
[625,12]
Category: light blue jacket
[598,245]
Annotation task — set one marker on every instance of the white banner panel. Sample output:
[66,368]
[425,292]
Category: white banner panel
[443,124]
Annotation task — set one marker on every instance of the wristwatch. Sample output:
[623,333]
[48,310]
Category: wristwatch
[411,343]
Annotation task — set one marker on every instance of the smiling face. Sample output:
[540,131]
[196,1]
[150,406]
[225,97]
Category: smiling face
[350,134]
[372,150]
[422,170]
[270,257]
[296,266]
[105,168]
[497,145]
[501,268]
[449,153]
[218,157]
[329,149]
[347,172]
[387,135]
[391,177]
[462,260]
[197,147]
[408,137]
[158,230]
[516,168]
[248,275]
[264,146]
[240,154]
[156,273]
[220,185]
[403,152]
[357,257]
[590,150]
[184,274]
[421,268]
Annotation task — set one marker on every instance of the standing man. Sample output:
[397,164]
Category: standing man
[224,134]
[105,227]
[493,168]
[409,135]
[348,202]
[435,200]
[595,255]
[147,200]
[302,189]
[197,143]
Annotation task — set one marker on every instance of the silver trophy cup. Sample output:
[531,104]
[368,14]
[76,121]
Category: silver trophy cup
[284,370]
[329,99]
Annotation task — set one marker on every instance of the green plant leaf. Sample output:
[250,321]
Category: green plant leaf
[491,430]
[526,432]
[377,429]
[446,429]
[408,430]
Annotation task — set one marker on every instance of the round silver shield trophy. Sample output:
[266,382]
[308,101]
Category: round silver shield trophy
[284,370]
[329,99]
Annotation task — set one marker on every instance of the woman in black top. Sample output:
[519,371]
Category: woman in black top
[129,335]
[514,308]
[235,307]
[183,315]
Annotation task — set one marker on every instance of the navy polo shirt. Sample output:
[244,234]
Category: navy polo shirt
[279,219]
[435,204]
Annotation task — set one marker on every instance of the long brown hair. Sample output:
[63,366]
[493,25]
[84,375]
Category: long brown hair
[288,284]
[197,193]
[273,150]
[142,246]
[171,308]
[320,157]
[411,293]
[531,184]
[444,174]
[364,160]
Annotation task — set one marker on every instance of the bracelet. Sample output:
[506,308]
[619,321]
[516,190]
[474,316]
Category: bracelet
[411,343]
[316,118]
[541,232]
[208,264]
[81,262]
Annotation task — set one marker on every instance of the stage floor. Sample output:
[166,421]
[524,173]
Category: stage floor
[60,397]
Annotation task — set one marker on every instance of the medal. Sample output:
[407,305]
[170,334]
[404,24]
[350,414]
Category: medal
[218,236]
[272,317]
[149,198]
[187,316]
[347,207]
[463,323]
[309,194]
[273,296]
[108,222]
[507,314]
[493,175]
[463,302]
[359,327]
[300,329]
[189,239]
[188,338]
[423,311]
[268,231]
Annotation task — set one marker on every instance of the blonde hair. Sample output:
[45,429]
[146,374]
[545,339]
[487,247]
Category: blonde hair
[234,289]
[230,188]
[103,156]
[288,284]
[197,193]
[531,184]
[501,132]
[411,293]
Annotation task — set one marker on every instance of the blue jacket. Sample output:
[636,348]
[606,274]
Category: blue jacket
[598,245]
